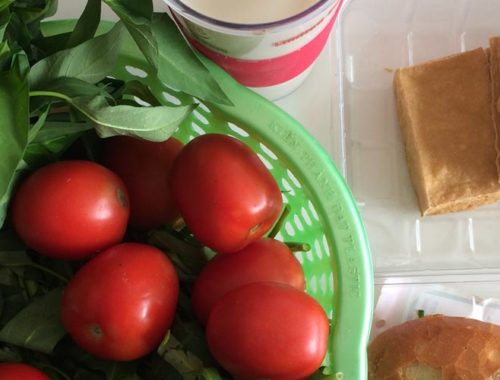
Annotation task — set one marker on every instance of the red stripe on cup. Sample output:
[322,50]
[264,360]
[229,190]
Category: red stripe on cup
[273,71]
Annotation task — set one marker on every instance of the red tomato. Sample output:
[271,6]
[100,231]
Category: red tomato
[144,166]
[268,331]
[71,209]
[225,194]
[20,371]
[121,303]
[261,261]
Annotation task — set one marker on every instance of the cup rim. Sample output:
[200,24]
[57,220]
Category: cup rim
[317,8]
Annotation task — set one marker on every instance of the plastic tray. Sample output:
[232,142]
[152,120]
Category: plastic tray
[447,264]
[338,266]
[374,38]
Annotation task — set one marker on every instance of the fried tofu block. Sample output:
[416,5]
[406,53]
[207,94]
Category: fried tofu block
[445,114]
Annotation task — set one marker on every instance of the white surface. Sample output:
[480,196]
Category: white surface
[375,38]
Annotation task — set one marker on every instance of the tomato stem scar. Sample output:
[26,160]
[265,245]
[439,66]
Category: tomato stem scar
[96,331]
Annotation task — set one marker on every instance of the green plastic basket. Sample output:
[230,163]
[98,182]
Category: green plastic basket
[338,267]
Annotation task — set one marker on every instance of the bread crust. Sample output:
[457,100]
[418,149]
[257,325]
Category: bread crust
[436,347]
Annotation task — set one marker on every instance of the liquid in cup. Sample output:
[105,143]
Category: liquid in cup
[269,46]
[249,11]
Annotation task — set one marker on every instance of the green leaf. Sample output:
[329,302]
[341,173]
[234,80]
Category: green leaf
[90,61]
[5,52]
[35,128]
[9,355]
[179,67]
[19,32]
[208,374]
[142,91]
[136,15]
[74,87]
[4,4]
[53,140]
[9,241]
[143,9]
[37,326]
[151,123]
[189,366]
[5,55]
[4,21]
[34,11]
[51,44]
[69,86]
[87,24]
[14,258]
[14,122]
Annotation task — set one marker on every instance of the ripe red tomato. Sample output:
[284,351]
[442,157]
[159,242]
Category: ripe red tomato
[121,303]
[261,261]
[268,331]
[20,371]
[144,166]
[71,209]
[225,194]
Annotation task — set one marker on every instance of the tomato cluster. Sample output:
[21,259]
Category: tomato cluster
[119,305]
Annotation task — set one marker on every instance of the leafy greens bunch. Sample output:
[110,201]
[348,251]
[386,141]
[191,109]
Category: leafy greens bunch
[58,95]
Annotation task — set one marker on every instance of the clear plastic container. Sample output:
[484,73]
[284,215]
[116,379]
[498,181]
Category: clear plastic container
[460,251]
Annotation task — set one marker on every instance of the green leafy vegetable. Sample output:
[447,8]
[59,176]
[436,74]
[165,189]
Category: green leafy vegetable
[87,24]
[37,326]
[74,87]
[70,87]
[4,4]
[24,24]
[178,66]
[35,128]
[14,122]
[90,61]
[33,11]
[159,122]
[137,18]
[52,140]
[5,55]
[14,258]
[142,91]
[152,123]
[189,366]
[4,21]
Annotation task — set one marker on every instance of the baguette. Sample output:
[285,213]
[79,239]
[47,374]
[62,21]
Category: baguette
[436,347]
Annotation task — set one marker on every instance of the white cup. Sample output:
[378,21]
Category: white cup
[271,58]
